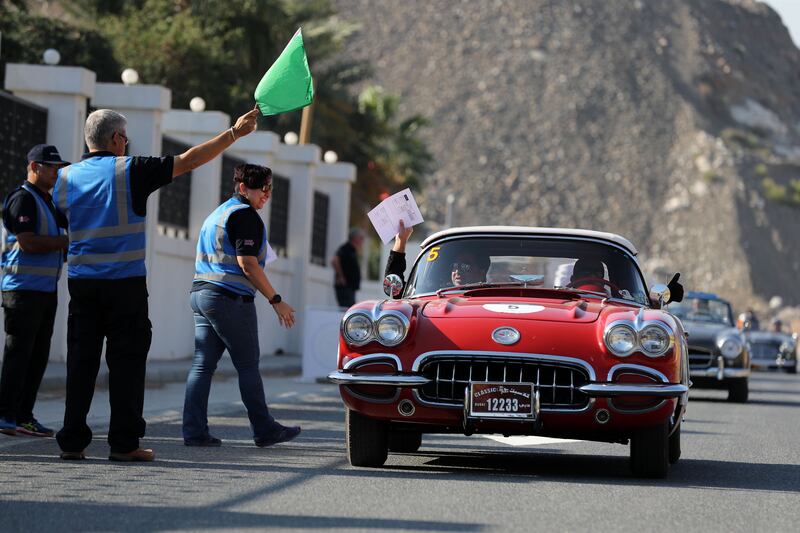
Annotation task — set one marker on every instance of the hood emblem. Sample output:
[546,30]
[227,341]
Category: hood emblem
[505,335]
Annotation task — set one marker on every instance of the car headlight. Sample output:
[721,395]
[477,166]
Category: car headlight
[621,340]
[654,340]
[730,348]
[391,330]
[357,328]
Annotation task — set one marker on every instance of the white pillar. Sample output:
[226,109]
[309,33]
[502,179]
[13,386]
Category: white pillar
[298,162]
[64,92]
[194,128]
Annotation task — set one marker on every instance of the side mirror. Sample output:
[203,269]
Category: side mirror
[392,286]
[675,289]
[659,295]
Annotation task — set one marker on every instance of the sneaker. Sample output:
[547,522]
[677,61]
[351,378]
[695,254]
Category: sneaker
[8,427]
[285,434]
[207,442]
[72,456]
[137,455]
[35,429]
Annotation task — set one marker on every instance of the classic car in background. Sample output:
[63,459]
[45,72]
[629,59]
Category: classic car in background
[719,355]
[517,331]
[770,349]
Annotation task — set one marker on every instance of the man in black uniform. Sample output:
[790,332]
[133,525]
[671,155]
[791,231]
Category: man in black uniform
[345,266]
[105,198]
[32,258]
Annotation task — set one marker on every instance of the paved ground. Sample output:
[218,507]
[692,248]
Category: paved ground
[740,472]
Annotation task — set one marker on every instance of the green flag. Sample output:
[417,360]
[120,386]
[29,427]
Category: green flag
[287,85]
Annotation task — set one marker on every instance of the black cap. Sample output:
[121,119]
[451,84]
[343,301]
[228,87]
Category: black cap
[45,153]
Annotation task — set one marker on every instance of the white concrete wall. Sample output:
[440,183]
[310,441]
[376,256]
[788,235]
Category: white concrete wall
[64,91]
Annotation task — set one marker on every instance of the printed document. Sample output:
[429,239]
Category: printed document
[386,216]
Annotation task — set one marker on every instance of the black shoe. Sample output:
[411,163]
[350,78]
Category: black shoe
[73,456]
[284,435]
[207,442]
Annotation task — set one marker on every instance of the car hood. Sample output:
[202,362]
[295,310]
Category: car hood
[537,309]
[701,333]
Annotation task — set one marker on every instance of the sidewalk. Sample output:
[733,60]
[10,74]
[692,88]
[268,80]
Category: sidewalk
[161,372]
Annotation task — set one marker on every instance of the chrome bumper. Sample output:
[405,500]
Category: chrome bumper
[595,390]
[611,390]
[720,371]
[394,380]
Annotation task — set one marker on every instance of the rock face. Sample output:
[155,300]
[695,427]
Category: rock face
[674,123]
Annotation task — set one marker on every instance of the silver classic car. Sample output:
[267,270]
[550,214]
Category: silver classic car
[770,349]
[719,354]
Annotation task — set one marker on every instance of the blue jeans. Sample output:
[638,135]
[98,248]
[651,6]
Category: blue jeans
[222,322]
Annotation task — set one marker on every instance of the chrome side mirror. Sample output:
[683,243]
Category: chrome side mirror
[392,286]
[659,295]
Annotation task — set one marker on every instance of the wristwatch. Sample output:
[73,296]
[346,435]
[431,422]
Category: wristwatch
[275,299]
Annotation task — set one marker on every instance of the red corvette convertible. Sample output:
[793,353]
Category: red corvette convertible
[517,331]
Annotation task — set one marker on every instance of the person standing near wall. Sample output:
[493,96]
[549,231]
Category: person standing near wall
[32,257]
[347,270]
[104,197]
[229,269]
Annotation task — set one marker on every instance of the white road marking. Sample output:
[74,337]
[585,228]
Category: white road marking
[527,440]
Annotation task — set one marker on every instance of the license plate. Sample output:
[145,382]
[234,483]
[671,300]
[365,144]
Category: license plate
[501,400]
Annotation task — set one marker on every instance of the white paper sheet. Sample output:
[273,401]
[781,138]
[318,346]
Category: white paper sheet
[386,216]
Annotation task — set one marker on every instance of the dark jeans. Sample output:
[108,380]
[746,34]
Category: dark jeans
[114,310]
[29,317]
[222,321]
[345,296]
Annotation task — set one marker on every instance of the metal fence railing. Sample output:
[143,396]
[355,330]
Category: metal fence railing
[22,125]
[279,215]
[174,200]
[319,229]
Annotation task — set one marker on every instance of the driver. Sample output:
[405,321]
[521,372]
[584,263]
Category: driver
[469,267]
[700,308]
[589,275]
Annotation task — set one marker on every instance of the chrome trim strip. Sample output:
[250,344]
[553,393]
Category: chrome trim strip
[346,378]
[352,364]
[726,373]
[610,390]
[529,356]
[640,368]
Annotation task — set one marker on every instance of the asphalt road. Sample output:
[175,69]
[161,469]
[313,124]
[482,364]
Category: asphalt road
[740,471]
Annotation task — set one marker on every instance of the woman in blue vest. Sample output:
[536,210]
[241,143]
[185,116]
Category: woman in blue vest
[33,252]
[229,269]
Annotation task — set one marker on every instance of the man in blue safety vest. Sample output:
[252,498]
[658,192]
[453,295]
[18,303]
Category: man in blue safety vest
[104,197]
[32,256]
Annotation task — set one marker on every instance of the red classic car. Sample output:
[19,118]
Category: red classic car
[517,331]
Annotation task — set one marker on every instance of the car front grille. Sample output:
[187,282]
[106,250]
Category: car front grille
[764,350]
[558,384]
[700,357]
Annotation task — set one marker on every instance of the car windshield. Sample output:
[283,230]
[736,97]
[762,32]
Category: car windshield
[587,266]
[702,310]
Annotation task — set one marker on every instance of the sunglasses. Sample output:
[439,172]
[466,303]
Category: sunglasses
[460,267]
[267,187]
[125,137]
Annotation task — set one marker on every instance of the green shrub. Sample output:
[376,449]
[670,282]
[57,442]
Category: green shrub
[761,170]
[773,191]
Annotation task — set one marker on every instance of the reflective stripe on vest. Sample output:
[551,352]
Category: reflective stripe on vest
[107,239]
[216,261]
[32,271]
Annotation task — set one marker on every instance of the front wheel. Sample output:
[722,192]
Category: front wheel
[791,369]
[650,452]
[675,445]
[367,442]
[738,390]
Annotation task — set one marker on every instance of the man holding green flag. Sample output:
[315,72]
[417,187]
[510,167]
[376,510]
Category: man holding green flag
[287,85]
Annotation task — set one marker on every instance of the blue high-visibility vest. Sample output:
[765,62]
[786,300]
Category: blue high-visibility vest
[106,238]
[216,257]
[26,271]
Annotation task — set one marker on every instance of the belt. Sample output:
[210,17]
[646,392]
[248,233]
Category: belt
[234,296]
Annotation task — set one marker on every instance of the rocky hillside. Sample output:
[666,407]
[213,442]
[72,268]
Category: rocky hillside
[675,123]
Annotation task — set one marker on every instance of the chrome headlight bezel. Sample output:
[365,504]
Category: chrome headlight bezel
[399,320]
[735,350]
[614,328]
[350,319]
[637,328]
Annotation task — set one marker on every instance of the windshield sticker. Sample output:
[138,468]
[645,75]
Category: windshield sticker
[513,309]
[434,255]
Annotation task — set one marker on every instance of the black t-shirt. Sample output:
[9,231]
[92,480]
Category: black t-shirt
[148,174]
[22,215]
[245,231]
[348,259]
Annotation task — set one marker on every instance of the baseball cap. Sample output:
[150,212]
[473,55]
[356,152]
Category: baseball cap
[45,153]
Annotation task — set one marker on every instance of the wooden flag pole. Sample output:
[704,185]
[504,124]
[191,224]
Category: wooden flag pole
[306,121]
